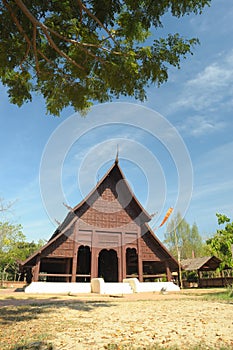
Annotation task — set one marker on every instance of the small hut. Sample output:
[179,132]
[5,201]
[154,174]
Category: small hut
[106,235]
[204,272]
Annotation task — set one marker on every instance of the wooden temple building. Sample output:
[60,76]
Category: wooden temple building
[106,235]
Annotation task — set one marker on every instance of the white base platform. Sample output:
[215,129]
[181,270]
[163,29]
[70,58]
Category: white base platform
[58,288]
[138,287]
[97,285]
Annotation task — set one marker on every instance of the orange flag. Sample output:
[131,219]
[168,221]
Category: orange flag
[166,216]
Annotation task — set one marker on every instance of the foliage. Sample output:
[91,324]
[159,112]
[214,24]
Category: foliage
[14,249]
[221,244]
[5,208]
[224,295]
[186,239]
[230,291]
[191,276]
[77,51]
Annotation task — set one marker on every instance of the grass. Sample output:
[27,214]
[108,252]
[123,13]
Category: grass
[225,295]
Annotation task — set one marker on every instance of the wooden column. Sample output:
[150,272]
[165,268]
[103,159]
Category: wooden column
[140,270]
[123,257]
[168,272]
[94,256]
[67,269]
[199,278]
[75,252]
[36,270]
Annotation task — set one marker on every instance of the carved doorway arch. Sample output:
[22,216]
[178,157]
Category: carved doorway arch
[108,265]
[84,264]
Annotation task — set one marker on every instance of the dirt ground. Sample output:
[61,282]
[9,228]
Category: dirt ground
[93,321]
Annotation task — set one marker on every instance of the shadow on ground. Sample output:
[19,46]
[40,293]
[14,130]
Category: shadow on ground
[35,346]
[16,313]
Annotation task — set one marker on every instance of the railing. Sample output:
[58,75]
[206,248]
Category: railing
[209,282]
[63,275]
[215,282]
[59,277]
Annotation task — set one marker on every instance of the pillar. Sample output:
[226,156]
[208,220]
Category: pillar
[94,256]
[75,253]
[168,272]
[140,270]
[67,269]
[123,257]
[36,270]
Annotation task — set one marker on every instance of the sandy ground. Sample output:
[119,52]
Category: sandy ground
[93,322]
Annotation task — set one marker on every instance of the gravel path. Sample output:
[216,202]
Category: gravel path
[93,322]
[167,322]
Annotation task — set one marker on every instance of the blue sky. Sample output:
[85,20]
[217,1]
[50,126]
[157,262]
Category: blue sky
[195,111]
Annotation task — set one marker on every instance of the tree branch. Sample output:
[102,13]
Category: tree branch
[35,50]
[5,207]
[53,64]
[36,23]
[81,5]
[79,44]
[21,30]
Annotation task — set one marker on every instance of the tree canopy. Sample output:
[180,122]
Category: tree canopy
[221,244]
[183,238]
[14,249]
[74,52]
[13,245]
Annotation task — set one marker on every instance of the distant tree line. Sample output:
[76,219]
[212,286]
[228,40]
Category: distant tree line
[184,241]
[13,246]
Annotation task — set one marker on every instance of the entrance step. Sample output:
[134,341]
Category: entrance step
[138,287]
[99,286]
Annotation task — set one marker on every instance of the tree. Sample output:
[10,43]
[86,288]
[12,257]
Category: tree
[74,52]
[221,244]
[10,235]
[5,206]
[183,239]
[14,249]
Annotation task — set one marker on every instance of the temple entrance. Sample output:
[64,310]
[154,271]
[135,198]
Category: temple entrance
[108,265]
[84,264]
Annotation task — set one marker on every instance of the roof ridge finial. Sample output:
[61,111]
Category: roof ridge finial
[117,155]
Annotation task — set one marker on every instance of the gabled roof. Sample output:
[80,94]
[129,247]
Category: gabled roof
[162,246]
[206,263]
[58,233]
[69,217]
[125,197]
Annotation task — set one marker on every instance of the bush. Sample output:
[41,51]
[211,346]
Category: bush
[230,290]
[192,276]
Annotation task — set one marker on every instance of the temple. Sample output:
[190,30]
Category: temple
[106,235]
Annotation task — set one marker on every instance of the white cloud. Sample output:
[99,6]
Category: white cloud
[210,88]
[199,125]
[213,76]
[211,189]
